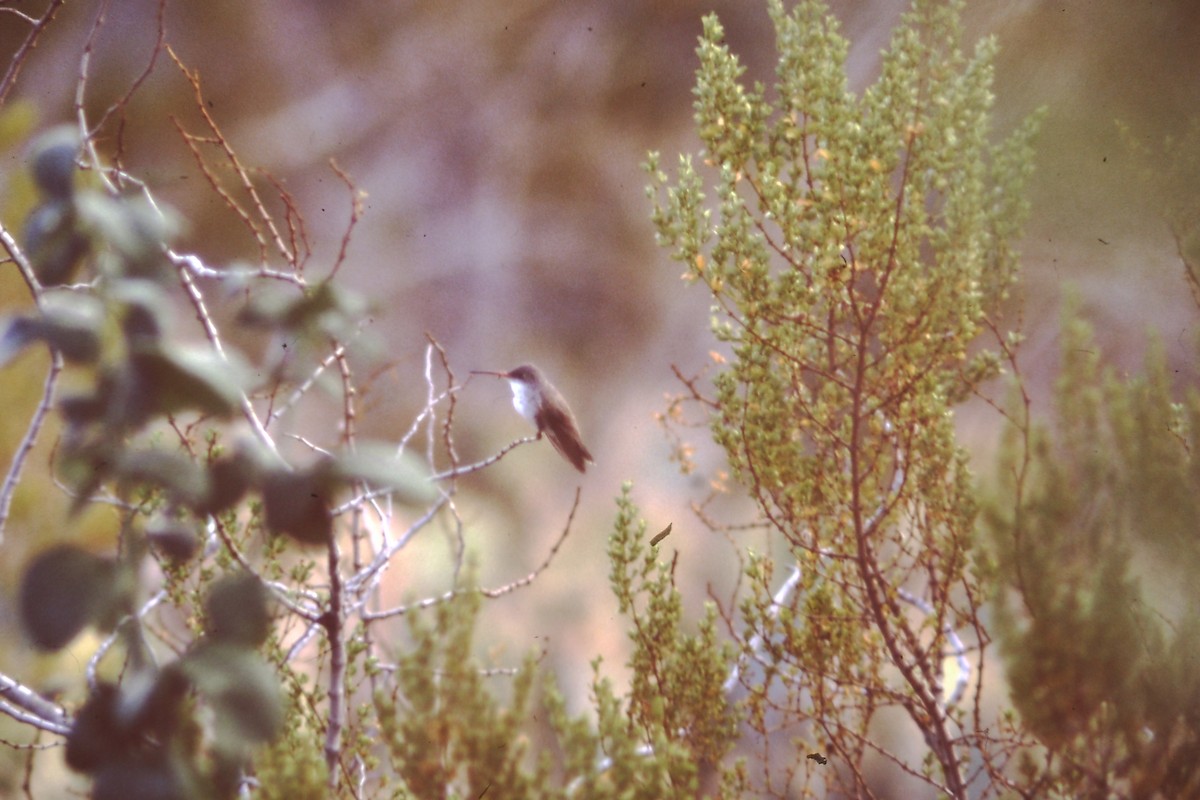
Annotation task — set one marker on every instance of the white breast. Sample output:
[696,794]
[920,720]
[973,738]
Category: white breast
[524,400]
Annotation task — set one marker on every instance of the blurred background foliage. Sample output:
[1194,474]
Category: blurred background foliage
[499,146]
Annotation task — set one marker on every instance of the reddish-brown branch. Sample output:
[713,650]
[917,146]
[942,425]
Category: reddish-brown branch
[272,236]
[356,211]
[26,48]
[121,104]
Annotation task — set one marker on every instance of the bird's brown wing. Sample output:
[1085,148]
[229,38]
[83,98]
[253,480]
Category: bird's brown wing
[560,428]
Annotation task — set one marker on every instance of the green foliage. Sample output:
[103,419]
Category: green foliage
[69,324]
[140,736]
[319,313]
[138,375]
[676,698]
[292,767]
[445,733]
[184,728]
[854,249]
[122,236]
[1101,663]
[63,590]
[236,611]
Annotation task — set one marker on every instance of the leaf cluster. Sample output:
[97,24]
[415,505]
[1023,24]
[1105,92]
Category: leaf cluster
[446,734]
[677,701]
[142,737]
[855,247]
[184,728]
[1099,659]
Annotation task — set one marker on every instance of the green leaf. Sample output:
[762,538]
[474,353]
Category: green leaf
[54,243]
[242,691]
[156,382]
[189,379]
[150,700]
[63,590]
[73,334]
[147,307]
[185,482]
[229,478]
[376,464]
[153,777]
[72,323]
[174,539]
[54,155]
[297,504]
[84,466]
[236,611]
[80,409]
[324,307]
[95,738]
[19,333]
[134,230]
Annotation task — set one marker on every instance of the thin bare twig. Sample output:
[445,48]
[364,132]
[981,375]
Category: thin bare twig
[25,705]
[22,54]
[218,139]
[23,266]
[49,384]
[499,591]
[106,645]
[332,621]
[214,337]
[756,643]
[20,14]
[487,462]
[123,102]
[528,579]
[29,439]
[356,211]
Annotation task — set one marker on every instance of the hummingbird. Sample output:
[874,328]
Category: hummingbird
[536,399]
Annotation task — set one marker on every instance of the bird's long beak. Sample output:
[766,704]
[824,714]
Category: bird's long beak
[488,372]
